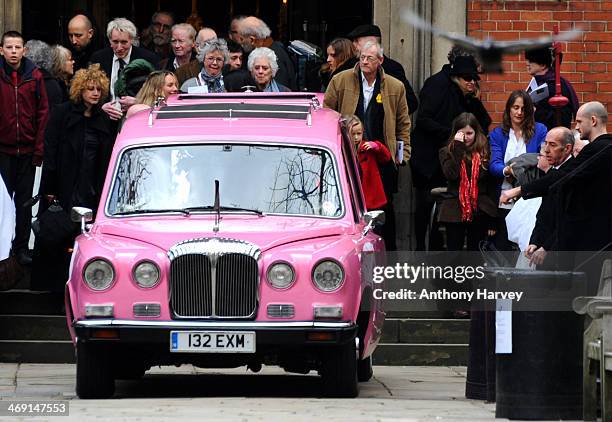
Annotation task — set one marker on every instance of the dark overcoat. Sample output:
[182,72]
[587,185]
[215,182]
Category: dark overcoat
[441,100]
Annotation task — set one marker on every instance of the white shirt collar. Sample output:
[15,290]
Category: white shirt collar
[126,59]
[567,158]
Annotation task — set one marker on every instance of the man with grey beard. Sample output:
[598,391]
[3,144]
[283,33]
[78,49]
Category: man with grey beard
[156,37]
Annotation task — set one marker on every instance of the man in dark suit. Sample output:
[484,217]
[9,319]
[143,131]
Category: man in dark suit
[558,151]
[367,32]
[253,33]
[584,186]
[121,34]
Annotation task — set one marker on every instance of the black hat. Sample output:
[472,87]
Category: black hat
[465,65]
[367,30]
[541,56]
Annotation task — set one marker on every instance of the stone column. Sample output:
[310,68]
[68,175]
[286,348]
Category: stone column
[451,17]
[10,15]
[421,55]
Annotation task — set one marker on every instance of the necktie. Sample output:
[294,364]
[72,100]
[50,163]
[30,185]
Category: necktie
[121,66]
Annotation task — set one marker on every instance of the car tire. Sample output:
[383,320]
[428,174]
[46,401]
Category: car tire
[364,369]
[94,374]
[129,370]
[339,371]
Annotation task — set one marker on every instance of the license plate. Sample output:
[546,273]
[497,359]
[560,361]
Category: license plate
[212,341]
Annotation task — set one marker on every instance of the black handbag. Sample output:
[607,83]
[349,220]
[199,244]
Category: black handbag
[54,226]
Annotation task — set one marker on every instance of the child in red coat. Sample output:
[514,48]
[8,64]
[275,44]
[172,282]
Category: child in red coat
[370,155]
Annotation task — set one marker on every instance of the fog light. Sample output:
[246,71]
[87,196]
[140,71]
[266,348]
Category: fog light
[105,334]
[328,312]
[321,336]
[99,310]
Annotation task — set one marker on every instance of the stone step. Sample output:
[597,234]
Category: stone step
[426,331]
[26,302]
[34,327]
[32,351]
[421,354]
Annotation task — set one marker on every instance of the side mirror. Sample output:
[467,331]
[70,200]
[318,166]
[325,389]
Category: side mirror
[373,218]
[81,215]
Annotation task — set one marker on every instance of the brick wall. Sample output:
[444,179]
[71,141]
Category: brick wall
[587,60]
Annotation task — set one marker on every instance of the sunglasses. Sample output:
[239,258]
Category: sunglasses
[468,78]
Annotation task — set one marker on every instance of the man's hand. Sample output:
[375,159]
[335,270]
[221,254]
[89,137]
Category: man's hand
[538,256]
[110,109]
[509,195]
[126,102]
[530,250]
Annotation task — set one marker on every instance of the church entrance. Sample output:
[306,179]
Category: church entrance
[318,21]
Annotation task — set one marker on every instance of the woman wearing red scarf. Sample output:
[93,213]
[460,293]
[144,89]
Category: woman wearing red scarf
[471,210]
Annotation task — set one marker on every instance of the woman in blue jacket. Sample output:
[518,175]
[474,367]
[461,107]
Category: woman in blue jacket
[518,134]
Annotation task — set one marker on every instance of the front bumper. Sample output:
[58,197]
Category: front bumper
[268,334]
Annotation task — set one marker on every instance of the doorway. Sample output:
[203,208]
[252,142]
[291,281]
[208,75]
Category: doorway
[317,21]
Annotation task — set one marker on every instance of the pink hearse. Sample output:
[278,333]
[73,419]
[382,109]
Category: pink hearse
[231,231]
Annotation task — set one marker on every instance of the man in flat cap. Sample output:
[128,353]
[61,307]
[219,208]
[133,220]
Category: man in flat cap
[369,32]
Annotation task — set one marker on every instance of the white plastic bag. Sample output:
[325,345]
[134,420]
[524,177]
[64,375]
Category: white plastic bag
[521,219]
[7,221]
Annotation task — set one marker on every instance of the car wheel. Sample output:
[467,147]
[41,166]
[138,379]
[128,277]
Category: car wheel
[364,369]
[94,375]
[129,370]
[339,371]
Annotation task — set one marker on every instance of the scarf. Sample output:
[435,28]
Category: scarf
[468,189]
[272,87]
[213,83]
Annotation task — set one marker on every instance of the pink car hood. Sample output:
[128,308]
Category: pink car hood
[264,232]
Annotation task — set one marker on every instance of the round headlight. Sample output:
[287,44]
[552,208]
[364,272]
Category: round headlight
[328,276]
[146,274]
[99,274]
[281,275]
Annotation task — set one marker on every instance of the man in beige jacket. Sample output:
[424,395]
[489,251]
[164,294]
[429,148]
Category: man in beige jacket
[379,100]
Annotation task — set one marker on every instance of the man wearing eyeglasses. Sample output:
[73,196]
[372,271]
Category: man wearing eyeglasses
[156,37]
[379,100]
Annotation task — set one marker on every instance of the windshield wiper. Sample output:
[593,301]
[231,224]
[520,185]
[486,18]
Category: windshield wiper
[224,208]
[185,211]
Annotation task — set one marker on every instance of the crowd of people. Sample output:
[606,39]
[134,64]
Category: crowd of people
[66,103]
[62,107]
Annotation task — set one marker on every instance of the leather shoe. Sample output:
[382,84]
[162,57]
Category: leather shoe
[24,257]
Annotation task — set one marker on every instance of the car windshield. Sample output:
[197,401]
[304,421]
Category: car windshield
[270,179]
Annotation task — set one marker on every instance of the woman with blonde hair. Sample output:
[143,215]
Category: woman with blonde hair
[159,85]
[62,67]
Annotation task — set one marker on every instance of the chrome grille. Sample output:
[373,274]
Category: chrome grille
[281,311]
[145,310]
[214,278]
[236,285]
[191,286]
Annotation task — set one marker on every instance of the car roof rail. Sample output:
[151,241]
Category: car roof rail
[295,106]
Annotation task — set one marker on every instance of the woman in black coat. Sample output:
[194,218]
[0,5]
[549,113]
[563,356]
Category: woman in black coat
[444,96]
[78,142]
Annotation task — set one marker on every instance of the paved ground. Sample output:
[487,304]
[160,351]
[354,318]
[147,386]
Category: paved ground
[188,393]
[408,393]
